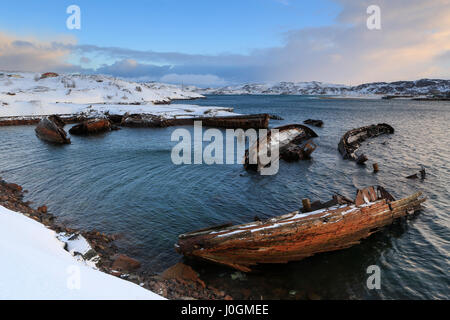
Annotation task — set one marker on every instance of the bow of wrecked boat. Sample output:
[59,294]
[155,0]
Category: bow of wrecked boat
[337,224]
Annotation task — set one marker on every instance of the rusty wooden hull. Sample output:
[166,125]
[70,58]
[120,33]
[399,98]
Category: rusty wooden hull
[91,127]
[297,235]
[294,143]
[351,140]
[50,129]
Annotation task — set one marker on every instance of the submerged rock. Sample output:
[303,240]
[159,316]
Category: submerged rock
[51,129]
[91,127]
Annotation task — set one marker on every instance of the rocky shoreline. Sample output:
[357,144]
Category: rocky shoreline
[179,282]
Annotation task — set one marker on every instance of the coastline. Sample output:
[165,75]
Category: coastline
[179,282]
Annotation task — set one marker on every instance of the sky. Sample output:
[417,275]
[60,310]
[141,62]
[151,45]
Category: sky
[225,42]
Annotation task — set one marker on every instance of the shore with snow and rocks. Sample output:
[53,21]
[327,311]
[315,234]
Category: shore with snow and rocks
[44,259]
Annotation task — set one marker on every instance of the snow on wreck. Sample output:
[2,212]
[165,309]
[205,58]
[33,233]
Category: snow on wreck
[334,225]
[293,141]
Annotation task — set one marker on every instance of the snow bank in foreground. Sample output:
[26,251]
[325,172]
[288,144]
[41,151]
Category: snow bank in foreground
[34,265]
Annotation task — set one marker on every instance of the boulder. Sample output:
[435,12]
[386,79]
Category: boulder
[49,75]
[125,263]
[182,273]
[91,127]
[50,129]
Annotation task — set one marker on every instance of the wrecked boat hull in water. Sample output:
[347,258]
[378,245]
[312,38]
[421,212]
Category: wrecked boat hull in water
[297,235]
[294,143]
[351,140]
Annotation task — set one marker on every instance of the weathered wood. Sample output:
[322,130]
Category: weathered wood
[50,129]
[294,143]
[297,235]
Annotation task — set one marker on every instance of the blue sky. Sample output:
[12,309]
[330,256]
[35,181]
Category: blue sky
[219,42]
[196,26]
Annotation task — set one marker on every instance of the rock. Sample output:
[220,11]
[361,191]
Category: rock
[182,273]
[125,263]
[91,127]
[50,129]
[14,187]
[42,209]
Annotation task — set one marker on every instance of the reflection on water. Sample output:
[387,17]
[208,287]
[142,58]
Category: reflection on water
[124,182]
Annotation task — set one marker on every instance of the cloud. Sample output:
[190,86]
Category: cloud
[414,42]
[32,54]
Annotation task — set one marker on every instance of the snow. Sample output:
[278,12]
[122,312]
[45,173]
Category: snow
[374,90]
[25,95]
[34,265]
[37,108]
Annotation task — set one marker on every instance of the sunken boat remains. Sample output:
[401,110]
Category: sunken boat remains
[97,125]
[251,121]
[294,142]
[50,129]
[351,140]
[337,224]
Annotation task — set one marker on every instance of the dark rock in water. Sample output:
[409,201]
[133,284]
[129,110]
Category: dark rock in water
[413,176]
[125,263]
[91,127]
[51,129]
[316,123]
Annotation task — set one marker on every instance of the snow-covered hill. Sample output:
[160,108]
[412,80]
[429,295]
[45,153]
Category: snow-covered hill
[82,89]
[423,87]
[31,95]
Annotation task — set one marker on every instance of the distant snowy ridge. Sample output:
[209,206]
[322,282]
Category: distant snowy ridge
[423,87]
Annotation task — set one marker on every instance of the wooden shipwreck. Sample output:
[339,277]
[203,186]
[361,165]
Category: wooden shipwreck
[294,143]
[337,224]
[250,121]
[351,140]
[50,129]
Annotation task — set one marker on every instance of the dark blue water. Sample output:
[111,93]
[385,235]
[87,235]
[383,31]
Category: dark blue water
[124,182]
